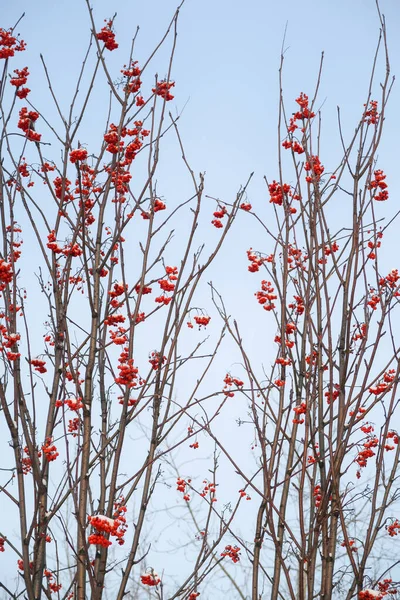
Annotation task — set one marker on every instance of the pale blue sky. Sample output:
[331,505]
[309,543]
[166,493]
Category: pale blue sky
[226,63]
[226,72]
[226,67]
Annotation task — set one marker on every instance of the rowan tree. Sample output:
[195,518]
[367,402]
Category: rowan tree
[118,401]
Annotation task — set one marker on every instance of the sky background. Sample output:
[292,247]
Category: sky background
[226,73]
[226,65]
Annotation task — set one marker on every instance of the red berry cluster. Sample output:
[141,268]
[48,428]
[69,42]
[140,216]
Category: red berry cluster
[350,544]
[301,409]
[20,78]
[229,381]
[371,115]
[366,453]
[209,488]
[370,595]
[74,404]
[53,586]
[384,385]
[219,214]
[156,360]
[107,36]
[73,426]
[298,305]
[6,273]
[167,285]
[115,145]
[128,373]
[115,527]
[394,528]
[39,365]
[134,83]
[162,89]
[244,494]
[315,168]
[232,552]
[257,260]
[278,192]
[391,281]
[202,320]
[78,155]
[266,296]
[49,450]
[151,579]
[379,184]
[181,487]
[9,44]
[26,122]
